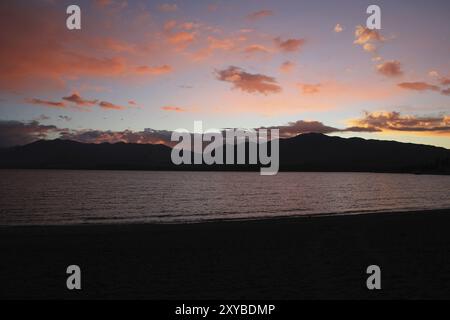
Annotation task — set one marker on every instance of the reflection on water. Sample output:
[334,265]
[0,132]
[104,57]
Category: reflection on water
[60,197]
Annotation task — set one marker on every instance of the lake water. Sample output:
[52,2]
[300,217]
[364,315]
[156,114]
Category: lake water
[74,197]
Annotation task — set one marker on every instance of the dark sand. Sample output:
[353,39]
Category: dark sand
[304,258]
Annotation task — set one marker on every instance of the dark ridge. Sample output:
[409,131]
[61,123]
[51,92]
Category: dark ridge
[306,152]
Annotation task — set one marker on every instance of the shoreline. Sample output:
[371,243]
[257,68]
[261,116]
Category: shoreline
[290,258]
[287,218]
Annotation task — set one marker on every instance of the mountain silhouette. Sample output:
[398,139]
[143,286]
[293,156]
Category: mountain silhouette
[305,152]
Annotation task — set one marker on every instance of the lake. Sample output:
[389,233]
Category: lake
[37,197]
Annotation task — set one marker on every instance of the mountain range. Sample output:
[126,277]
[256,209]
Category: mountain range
[305,152]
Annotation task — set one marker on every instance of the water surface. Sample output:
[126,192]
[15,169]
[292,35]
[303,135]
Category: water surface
[74,197]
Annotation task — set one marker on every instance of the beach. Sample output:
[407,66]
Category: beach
[284,259]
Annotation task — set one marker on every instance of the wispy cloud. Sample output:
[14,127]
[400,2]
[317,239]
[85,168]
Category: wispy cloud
[110,106]
[46,103]
[260,14]
[155,70]
[173,108]
[308,88]
[418,86]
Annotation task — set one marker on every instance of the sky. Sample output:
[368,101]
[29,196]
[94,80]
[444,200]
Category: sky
[139,69]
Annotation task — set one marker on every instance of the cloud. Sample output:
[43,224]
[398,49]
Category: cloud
[98,136]
[369,47]
[65,118]
[213,44]
[365,35]
[309,88]
[444,81]
[166,7]
[78,100]
[156,70]
[248,82]
[287,66]
[110,106]
[368,38]
[418,86]
[289,45]
[182,38]
[260,14]
[394,121]
[338,28]
[46,103]
[38,53]
[13,133]
[293,129]
[173,108]
[433,73]
[103,3]
[256,48]
[19,133]
[170,25]
[390,68]
[111,45]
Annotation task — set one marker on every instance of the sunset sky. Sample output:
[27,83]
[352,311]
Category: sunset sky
[303,66]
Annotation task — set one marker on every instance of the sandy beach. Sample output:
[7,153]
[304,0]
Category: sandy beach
[301,258]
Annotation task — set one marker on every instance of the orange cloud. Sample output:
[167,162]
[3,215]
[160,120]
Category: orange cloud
[289,45]
[28,59]
[394,121]
[364,35]
[256,48]
[225,44]
[158,70]
[247,82]
[418,86]
[338,28]
[444,81]
[110,106]
[78,100]
[390,68]
[173,108]
[46,103]
[367,38]
[287,66]
[103,3]
[182,38]
[310,88]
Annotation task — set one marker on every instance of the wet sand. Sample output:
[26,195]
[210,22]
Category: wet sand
[292,258]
